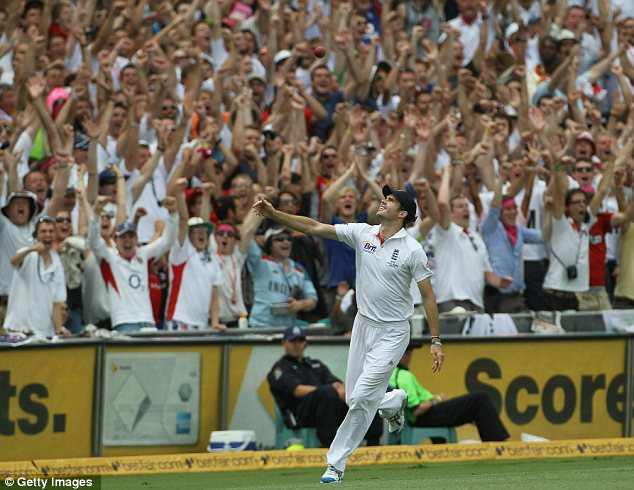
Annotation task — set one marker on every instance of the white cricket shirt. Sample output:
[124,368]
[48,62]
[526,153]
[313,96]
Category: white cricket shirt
[384,271]
[34,289]
[192,277]
[127,279]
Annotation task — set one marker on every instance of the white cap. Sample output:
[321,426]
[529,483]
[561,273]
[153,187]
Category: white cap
[565,34]
[281,56]
[511,29]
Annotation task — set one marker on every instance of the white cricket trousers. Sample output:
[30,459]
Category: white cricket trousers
[375,350]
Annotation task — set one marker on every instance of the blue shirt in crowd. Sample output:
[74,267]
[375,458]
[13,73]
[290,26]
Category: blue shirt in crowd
[505,259]
[271,286]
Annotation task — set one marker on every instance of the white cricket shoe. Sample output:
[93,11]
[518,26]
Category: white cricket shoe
[332,475]
[396,421]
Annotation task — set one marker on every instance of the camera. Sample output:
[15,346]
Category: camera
[279,309]
[571,272]
[296,292]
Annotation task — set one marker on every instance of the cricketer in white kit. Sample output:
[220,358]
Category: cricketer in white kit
[387,261]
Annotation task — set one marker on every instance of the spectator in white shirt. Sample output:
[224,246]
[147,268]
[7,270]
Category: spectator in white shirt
[16,232]
[460,254]
[194,278]
[125,269]
[38,289]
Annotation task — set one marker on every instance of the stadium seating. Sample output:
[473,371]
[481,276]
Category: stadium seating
[411,436]
[283,434]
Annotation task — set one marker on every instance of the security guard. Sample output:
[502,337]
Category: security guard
[308,394]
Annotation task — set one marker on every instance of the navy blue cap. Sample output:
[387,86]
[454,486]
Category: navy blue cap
[125,227]
[292,333]
[81,142]
[107,177]
[406,200]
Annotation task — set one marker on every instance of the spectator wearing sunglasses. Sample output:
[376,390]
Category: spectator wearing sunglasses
[461,255]
[231,252]
[38,289]
[281,286]
[71,249]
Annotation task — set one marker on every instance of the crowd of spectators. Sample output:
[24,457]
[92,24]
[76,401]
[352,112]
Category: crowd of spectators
[135,136]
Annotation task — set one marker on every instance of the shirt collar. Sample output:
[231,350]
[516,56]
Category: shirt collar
[399,234]
[469,22]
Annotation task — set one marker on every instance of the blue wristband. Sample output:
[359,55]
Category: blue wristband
[436,343]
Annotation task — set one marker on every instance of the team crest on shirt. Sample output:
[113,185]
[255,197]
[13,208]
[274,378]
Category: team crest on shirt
[368,247]
[277,373]
[393,258]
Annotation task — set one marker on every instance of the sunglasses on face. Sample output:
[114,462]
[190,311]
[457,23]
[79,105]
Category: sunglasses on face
[227,233]
[584,169]
[63,219]
[285,202]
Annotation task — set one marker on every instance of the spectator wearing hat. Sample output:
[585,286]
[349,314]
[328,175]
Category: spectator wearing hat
[80,149]
[306,251]
[281,286]
[584,148]
[193,302]
[258,84]
[461,255]
[38,288]
[308,394]
[125,268]
[17,223]
[425,409]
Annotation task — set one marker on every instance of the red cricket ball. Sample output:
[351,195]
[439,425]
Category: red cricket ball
[320,51]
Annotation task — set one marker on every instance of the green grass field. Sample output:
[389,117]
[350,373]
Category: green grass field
[600,473]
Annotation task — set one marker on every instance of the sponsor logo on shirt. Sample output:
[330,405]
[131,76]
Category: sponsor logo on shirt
[595,239]
[134,281]
[368,247]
